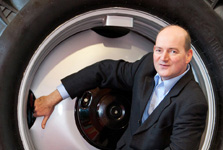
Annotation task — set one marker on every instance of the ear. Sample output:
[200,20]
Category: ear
[154,48]
[189,55]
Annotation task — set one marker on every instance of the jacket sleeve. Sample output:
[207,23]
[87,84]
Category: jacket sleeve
[104,74]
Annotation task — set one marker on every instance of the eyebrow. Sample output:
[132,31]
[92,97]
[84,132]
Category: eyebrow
[158,47]
[173,49]
[168,48]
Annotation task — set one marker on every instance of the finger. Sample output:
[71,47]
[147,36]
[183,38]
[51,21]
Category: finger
[35,102]
[34,114]
[44,121]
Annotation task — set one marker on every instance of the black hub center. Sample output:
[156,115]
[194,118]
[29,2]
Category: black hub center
[115,112]
[102,116]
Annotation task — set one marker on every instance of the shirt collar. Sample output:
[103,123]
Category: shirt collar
[168,84]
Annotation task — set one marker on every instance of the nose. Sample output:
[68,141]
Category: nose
[164,56]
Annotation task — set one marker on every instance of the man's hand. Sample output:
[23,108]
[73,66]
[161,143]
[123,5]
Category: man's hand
[44,106]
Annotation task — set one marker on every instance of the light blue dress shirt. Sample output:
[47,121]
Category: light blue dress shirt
[161,89]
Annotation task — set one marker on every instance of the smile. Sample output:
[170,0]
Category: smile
[164,65]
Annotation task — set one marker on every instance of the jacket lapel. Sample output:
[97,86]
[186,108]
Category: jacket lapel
[165,102]
[147,89]
[155,115]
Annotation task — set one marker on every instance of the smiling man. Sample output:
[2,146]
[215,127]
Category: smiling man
[172,52]
[168,107]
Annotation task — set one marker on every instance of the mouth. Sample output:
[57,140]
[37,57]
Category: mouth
[164,65]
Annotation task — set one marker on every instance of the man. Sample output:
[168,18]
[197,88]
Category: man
[168,107]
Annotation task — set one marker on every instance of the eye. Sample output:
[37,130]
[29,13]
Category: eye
[173,51]
[158,50]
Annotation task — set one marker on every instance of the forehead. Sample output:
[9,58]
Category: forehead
[171,37]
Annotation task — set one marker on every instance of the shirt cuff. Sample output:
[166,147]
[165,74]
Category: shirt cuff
[63,92]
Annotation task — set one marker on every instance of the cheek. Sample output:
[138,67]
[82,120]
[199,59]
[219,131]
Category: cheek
[178,60]
[178,64]
[155,58]
[155,62]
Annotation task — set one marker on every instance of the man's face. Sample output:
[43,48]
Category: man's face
[170,57]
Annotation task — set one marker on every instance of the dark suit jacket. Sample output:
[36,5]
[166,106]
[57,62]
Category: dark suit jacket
[178,121]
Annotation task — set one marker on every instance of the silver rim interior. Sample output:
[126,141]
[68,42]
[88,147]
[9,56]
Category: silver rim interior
[142,23]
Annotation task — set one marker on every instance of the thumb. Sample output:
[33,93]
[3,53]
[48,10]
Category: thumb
[44,121]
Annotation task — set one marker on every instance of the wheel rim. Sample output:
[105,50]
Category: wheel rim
[144,24]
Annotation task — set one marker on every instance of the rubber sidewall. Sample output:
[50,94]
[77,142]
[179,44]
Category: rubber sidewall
[40,17]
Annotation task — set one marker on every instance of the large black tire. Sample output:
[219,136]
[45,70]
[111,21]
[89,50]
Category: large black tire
[40,17]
